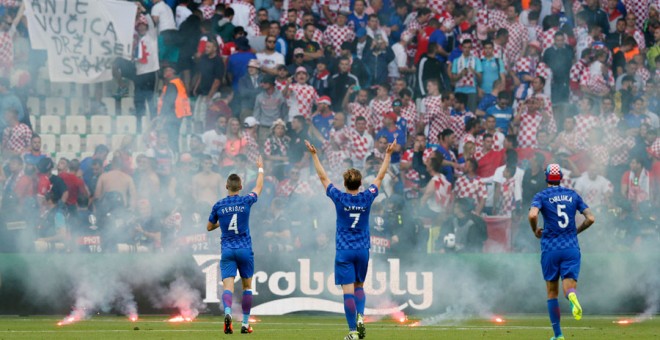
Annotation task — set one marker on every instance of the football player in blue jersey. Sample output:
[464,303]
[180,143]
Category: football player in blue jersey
[560,251]
[232,215]
[352,236]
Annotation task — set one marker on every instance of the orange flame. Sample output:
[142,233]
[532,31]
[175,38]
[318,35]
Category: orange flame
[75,316]
[180,318]
[624,322]
[399,317]
[254,320]
[133,318]
[498,319]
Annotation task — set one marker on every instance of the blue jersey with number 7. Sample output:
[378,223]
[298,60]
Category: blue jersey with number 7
[233,214]
[558,205]
[352,217]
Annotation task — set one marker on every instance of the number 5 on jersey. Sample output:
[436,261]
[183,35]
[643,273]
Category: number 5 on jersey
[562,214]
[356,217]
[233,224]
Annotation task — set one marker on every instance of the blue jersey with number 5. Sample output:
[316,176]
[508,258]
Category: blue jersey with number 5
[558,205]
[352,217]
[233,213]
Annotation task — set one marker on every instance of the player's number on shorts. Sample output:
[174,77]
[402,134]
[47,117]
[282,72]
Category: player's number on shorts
[356,218]
[562,214]
[233,224]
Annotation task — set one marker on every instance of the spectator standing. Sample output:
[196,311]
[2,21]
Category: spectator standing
[16,137]
[248,88]
[466,72]
[168,38]
[269,106]
[559,58]
[173,105]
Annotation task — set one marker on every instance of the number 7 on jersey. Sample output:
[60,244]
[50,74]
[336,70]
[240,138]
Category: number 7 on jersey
[356,217]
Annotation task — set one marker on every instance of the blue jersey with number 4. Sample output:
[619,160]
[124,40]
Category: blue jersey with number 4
[352,217]
[558,205]
[233,213]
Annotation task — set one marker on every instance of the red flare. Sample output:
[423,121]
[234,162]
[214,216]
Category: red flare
[254,320]
[624,321]
[498,319]
[74,317]
[415,324]
[180,318]
[133,318]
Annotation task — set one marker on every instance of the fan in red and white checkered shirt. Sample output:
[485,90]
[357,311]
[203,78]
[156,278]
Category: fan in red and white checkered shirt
[301,96]
[531,117]
[339,33]
[489,19]
[333,8]
[411,176]
[471,186]
[294,185]
[379,106]
[361,143]
[359,108]
[17,136]
[292,15]
[517,34]
[317,37]
[585,121]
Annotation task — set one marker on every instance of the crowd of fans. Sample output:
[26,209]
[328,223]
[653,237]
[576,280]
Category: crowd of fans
[479,95]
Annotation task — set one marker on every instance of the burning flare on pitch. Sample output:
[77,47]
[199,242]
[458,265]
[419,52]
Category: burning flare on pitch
[498,320]
[133,317]
[75,316]
[180,318]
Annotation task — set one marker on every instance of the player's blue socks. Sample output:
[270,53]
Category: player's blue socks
[553,310]
[226,301]
[360,300]
[351,311]
[247,305]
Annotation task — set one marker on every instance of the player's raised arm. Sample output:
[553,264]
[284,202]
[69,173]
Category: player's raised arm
[260,177]
[534,221]
[588,221]
[386,164]
[317,164]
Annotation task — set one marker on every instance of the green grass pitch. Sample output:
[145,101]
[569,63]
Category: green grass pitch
[322,327]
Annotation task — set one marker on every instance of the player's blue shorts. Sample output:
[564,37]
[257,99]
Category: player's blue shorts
[564,263]
[351,266]
[233,259]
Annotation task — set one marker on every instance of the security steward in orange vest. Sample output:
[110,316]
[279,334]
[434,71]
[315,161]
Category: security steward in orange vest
[173,106]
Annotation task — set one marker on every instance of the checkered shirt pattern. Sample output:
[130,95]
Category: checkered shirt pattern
[335,6]
[457,124]
[571,140]
[500,52]
[547,106]
[436,118]
[542,70]
[275,146]
[356,110]
[437,6]
[286,188]
[378,154]
[578,7]
[409,113]
[411,174]
[639,38]
[252,18]
[517,37]
[443,197]
[360,145]
[337,148]
[600,154]
[598,83]
[335,36]
[251,148]
[577,71]
[654,149]
[491,18]
[596,195]
[620,148]
[414,26]
[529,127]
[609,122]
[547,38]
[10,3]
[377,109]
[641,10]
[280,85]
[508,197]
[7,51]
[585,122]
[477,141]
[284,20]
[473,188]
[304,96]
[643,73]
[17,138]
[475,4]
[498,140]
[317,37]
[469,80]
[207,12]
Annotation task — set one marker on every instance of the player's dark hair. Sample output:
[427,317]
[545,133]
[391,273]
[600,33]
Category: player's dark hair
[352,179]
[234,183]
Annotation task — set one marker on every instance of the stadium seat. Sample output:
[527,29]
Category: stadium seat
[94,140]
[69,143]
[126,125]
[50,125]
[116,141]
[34,105]
[33,122]
[60,90]
[127,107]
[86,154]
[77,107]
[101,124]
[110,105]
[76,124]
[55,106]
[67,155]
[48,143]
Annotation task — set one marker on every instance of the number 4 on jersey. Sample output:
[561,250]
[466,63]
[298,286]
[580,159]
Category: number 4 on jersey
[233,224]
